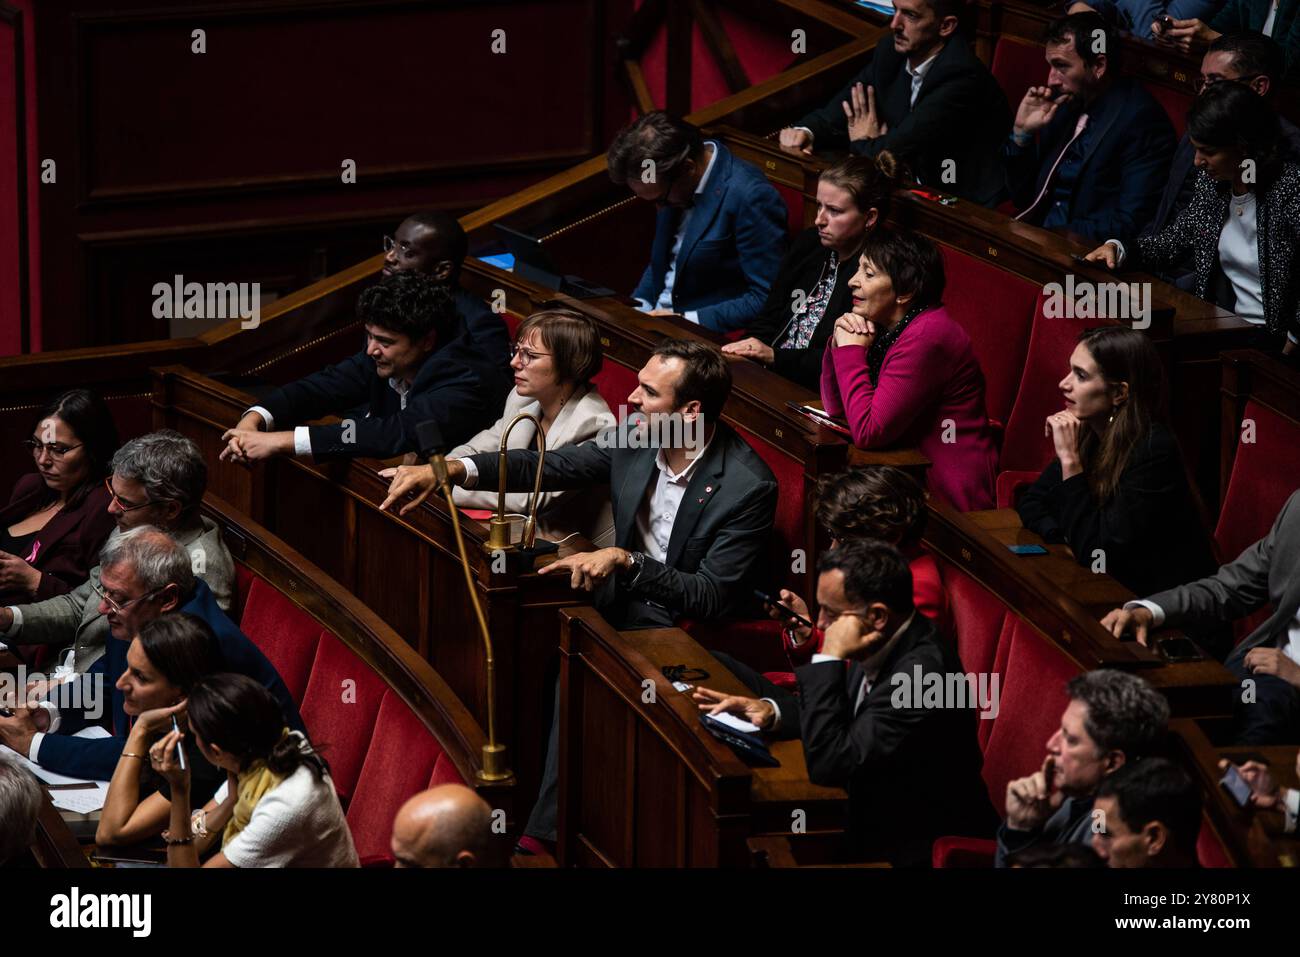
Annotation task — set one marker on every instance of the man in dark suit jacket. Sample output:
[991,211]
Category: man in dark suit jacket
[1089,151]
[421,362]
[131,599]
[1249,58]
[434,244]
[926,98]
[720,232]
[911,762]
[1268,659]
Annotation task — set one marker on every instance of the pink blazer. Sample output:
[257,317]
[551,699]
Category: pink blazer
[931,389]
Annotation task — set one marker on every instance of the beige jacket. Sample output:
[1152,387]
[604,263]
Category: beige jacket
[559,514]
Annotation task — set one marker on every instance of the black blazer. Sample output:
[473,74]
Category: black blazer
[801,269]
[1129,143]
[913,773]
[462,384]
[1150,531]
[961,114]
[721,529]
[69,542]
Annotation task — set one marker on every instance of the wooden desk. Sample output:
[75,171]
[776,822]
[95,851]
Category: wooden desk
[641,782]
[1253,838]
[406,570]
[1064,602]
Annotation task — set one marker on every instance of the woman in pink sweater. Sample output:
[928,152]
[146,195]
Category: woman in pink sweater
[903,372]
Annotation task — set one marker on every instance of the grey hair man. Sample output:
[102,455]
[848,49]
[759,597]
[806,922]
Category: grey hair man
[20,802]
[1112,719]
[158,480]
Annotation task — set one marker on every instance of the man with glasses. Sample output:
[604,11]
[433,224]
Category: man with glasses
[433,244]
[1249,58]
[158,480]
[421,362]
[144,573]
[721,229]
[912,768]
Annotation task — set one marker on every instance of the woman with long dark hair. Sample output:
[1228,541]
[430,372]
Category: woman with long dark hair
[1242,225]
[1117,492]
[811,290]
[57,517]
[278,807]
[904,374]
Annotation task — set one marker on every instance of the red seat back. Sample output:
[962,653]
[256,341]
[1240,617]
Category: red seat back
[1210,851]
[997,310]
[977,615]
[286,634]
[243,582]
[403,757]
[1175,103]
[795,209]
[615,382]
[340,707]
[1032,699]
[1024,446]
[1018,65]
[788,532]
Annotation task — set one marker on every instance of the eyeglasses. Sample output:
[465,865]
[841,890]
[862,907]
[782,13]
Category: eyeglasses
[1202,83]
[119,608]
[404,248]
[56,449]
[526,355]
[108,484]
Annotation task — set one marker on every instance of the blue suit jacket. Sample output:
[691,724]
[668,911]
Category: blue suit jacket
[731,251]
[1130,143]
[96,758]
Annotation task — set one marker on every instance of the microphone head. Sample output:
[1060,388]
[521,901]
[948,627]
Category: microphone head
[429,438]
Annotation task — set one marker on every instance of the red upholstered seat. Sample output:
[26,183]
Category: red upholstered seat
[286,634]
[1265,472]
[977,615]
[996,309]
[243,582]
[794,204]
[400,762]
[1029,713]
[1024,446]
[1176,103]
[963,852]
[1012,483]
[339,707]
[1210,851]
[513,319]
[615,382]
[1018,65]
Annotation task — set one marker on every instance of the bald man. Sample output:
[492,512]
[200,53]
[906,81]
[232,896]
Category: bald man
[446,826]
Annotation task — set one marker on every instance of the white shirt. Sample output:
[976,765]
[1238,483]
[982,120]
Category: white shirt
[302,434]
[1272,17]
[298,823]
[655,517]
[666,296]
[918,75]
[1239,258]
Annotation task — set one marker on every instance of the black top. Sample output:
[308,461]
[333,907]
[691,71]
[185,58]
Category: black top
[19,545]
[801,269]
[1149,532]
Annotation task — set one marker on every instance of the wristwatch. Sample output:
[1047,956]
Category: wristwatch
[636,561]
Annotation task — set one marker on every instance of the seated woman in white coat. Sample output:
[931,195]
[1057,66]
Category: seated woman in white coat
[556,355]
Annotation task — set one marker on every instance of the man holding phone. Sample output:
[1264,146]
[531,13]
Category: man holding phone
[1113,719]
[1149,19]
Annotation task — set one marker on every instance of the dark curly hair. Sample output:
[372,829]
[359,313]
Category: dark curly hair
[410,304]
[878,501]
[1124,712]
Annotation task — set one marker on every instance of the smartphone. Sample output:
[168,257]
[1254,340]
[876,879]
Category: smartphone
[1179,649]
[180,748]
[770,600]
[1236,785]
[1027,549]
[1166,22]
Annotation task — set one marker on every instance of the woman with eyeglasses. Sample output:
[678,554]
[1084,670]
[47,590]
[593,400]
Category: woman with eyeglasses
[57,517]
[556,355]
[1241,229]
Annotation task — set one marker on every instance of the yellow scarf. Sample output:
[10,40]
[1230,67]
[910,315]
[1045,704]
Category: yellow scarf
[254,782]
